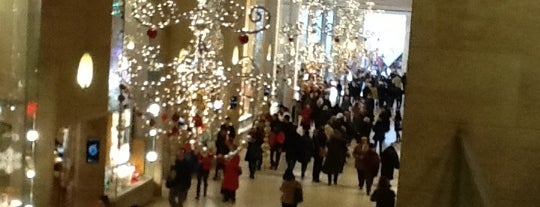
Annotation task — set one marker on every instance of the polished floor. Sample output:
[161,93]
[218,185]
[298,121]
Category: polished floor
[263,191]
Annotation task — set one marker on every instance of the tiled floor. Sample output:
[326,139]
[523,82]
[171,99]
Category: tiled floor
[263,191]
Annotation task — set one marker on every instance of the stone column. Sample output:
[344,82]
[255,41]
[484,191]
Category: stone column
[470,134]
[68,30]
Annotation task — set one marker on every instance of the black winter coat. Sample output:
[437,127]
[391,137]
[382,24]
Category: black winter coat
[389,161]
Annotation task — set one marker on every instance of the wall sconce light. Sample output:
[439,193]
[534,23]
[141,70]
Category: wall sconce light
[235,58]
[269,53]
[151,156]
[183,54]
[32,135]
[85,71]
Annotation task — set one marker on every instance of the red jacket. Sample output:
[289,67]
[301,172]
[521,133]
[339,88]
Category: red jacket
[231,173]
[206,162]
[306,116]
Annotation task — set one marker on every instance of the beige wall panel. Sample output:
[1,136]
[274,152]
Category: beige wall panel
[473,69]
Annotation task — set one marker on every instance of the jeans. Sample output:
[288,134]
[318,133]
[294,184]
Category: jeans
[335,176]
[275,155]
[252,168]
[317,166]
[304,167]
[202,176]
[364,177]
[291,163]
[177,196]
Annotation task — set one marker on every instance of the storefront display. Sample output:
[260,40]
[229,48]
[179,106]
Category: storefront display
[15,58]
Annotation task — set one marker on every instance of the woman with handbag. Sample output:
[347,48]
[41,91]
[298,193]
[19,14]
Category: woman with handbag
[291,190]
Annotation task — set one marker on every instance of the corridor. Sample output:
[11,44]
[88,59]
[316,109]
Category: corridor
[263,191]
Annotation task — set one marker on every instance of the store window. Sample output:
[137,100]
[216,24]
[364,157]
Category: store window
[17,24]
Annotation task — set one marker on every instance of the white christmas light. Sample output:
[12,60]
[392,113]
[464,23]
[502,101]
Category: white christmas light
[269,53]
[130,45]
[28,205]
[15,203]
[218,104]
[32,135]
[235,56]
[151,156]
[153,109]
[191,141]
[152,132]
[30,173]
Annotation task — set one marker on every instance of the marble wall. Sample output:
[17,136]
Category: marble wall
[472,106]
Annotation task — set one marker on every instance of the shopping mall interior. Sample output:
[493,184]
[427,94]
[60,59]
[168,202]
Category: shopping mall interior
[114,103]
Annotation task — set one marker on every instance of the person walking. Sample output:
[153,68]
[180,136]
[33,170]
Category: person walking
[335,158]
[231,172]
[383,195]
[366,163]
[180,180]
[276,140]
[319,142]
[389,161]
[397,125]
[291,190]
[306,150]
[291,144]
[254,150]
[221,149]
[205,159]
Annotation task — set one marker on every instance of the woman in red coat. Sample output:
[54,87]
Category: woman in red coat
[231,172]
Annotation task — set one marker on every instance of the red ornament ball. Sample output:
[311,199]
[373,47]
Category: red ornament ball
[243,38]
[152,33]
[163,117]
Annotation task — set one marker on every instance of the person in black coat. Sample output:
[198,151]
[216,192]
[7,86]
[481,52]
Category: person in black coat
[221,149]
[319,142]
[306,150]
[397,125]
[383,195]
[335,158]
[380,130]
[291,144]
[389,161]
[254,150]
[181,179]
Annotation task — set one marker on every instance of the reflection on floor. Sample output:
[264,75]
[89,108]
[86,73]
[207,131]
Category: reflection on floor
[263,191]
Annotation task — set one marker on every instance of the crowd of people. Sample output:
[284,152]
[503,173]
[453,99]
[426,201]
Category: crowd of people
[317,128]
